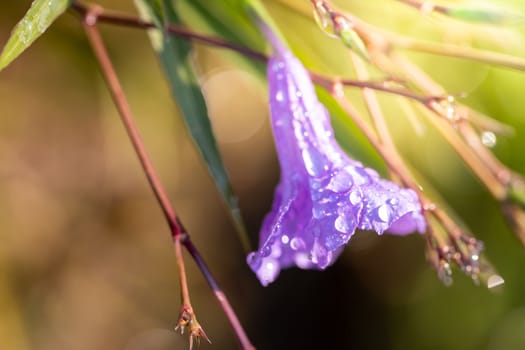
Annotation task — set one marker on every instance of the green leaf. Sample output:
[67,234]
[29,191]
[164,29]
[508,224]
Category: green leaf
[174,54]
[35,22]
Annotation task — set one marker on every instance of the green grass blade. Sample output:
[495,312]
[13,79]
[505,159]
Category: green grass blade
[174,54]
[38,18]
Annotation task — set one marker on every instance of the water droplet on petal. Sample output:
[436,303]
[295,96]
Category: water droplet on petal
[384,212]
[340,182]
[302,260]
[393,201]
[266,250]
[355,197]
[314,162]
[318,211]
[254,260]
[285,239]
[279,96]
[333,242]
[268,272]
[360,175]
[341,225]
[297,243]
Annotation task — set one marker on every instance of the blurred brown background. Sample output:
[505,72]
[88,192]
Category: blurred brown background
[86,260]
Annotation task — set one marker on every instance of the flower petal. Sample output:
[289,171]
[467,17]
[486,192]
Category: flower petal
[323,195]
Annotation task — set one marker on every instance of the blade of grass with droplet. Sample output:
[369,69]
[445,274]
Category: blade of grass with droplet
[37,19]
[174,54]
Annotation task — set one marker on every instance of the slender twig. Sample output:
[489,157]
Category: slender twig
[372,103]
[385,40]
[178,232]
[120,19]
[467,53]
[425,6]
[220,296]
[491,179]
[115,18]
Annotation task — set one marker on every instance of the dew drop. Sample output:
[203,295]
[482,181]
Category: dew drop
[355,197]
[488,138]
[43,19]
[494,281]
[277,67]
[318,211]
[268,272]
[341,181]
[302,260]
[334,241]
[383,212]
[285,239]
[314,162]
[426,7]
[341,225]
[297,243]
[26,31]
[266,250]
[316,184]
[323,18]
[360,175]
[451,112]
[338,89]
[445,273]
[449,105]
[393,201]
[279,96]
[254,260]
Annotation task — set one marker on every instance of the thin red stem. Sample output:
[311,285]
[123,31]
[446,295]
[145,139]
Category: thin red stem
[130,21]
[179,234]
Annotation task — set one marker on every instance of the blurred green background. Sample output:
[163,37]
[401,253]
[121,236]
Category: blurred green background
[86,260]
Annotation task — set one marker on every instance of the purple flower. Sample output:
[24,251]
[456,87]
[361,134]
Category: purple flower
[323,195]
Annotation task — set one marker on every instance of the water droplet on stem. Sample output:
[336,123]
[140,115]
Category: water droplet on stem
[323,18]
[489,139]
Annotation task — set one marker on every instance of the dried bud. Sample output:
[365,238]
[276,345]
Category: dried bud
[187,319]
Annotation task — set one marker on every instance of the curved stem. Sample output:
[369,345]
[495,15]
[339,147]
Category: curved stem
[467,53]
[178,232]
